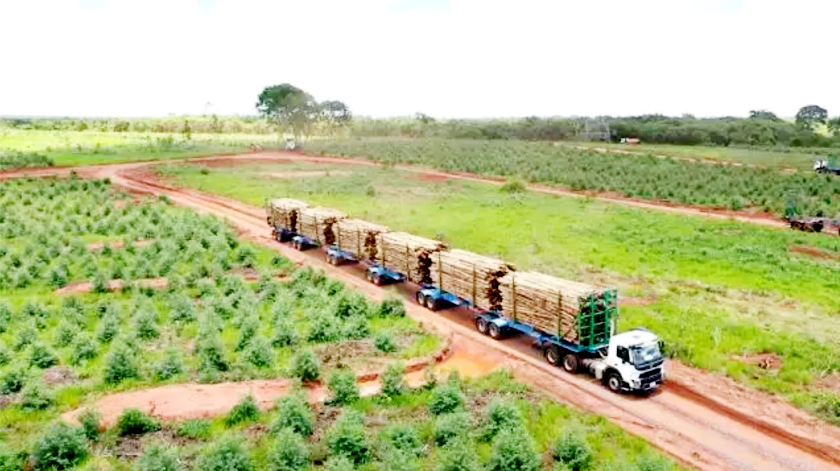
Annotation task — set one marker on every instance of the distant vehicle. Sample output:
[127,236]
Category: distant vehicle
[291,144]
[827,166]
[630,140]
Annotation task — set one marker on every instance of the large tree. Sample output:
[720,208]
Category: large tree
[289,106]
[335,113]
[763,114]
[811,115]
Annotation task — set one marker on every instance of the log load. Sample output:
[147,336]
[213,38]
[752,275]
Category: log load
[284,212]
[360,238]
[576,312]
[317,224]
[409,254]
[470,276]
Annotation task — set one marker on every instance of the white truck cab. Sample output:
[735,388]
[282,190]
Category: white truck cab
[633,362]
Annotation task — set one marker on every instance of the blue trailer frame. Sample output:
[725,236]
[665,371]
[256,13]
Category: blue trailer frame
[379,275]
[281,234]
[337,256]
[435,298]
[505,325]
[301,242]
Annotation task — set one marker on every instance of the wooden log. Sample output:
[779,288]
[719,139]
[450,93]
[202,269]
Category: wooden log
[470,276]
[317,223]
[283,212]
[359,237]
[409,254]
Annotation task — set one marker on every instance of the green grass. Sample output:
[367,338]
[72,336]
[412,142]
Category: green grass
[724,289]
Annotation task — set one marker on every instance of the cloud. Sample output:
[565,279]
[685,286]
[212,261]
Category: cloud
[454,58]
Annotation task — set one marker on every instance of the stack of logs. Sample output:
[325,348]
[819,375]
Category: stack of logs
[360,238]
[537,299]
[409,254]
[284,212]
[470,276]
[317,224]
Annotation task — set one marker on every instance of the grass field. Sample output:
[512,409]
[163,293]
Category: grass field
[723,291]
[224,315]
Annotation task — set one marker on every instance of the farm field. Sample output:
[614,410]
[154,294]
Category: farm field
[70,148]
[103,292]
[755,190]
[723,294]
[779,158]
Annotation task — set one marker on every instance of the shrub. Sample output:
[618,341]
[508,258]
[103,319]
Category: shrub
[36,396]
[245,411]
[42,357]
[293,412]
[404,437]
[58,277]
[227,454]
[284,333]
[450,426]
[384,343]
[513,185]
[305,366]
[5,355]
[5,315]
[64,334]
[145,324]
[211,353]
[25,337]
[571,449]
[9,460]
[84,349]
[90,420]
[289,452]
[108,328]
[100,284]
[346,437]
[502,415]
[62,447]
[181,308]
[396,460]
[247,331]
[391,307]
[158,458]
[351,305]
[339,463]
[135,422]
[195,429]
[14,379]
[171,365]
[446,398]
[513,449]
[120,364]
[460,456]
[343,386]
[392,380]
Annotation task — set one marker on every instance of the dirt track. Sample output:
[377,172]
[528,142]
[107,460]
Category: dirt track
[703,420]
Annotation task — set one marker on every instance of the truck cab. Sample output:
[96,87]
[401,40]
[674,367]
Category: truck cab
[633,362]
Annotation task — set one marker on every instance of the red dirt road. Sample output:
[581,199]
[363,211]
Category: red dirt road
[703,420]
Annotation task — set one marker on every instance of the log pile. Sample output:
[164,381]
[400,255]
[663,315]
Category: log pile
[360,238]
[284,212]
[553,305]
[409,254]
[317,224]
[470,276]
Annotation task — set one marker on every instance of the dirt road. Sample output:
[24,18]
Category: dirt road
[732,429]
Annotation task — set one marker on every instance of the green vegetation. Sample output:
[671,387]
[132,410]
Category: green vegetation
[719,292]
[644,177]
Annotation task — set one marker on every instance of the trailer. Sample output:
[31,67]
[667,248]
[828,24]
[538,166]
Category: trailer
[282,215]
[464,279]
[316,227]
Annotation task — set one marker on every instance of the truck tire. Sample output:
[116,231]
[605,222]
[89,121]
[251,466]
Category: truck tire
[421,300]
[552,355]
[369,276]
[377,280]
[431,304]
[571,363]
[613,382]
[494,331]
[481,325]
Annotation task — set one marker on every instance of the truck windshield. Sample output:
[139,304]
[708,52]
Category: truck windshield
[644,354]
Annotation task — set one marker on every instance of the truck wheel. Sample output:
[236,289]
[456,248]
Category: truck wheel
[494,331]
[614,382]
[552,355]
[481,325]
[369,276]
[570,363]
[431,304]
[421,300]
[377,280]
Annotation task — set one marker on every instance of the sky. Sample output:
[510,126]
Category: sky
[444,58]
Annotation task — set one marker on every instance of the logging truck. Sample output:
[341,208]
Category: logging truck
[572,323]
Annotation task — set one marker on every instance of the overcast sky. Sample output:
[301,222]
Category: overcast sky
[446,58]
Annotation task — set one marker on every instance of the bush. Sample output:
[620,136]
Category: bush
[245,411]
[62,447]
[158,458]
[170,366]
[460,456]
[404,437]
[135,422]
[513,449]
[120,364]
[571,449]
[391,307]
[36,396]
[351,305]
[84,349]
[450,426]
[346,437]
[446,398]
[392,380]
[5,355]
[90,420]
[305,366]
[211,353]
[5,315]
[502,415]
[25,338]
[513,185]
[64,334]
[395,460]
[293,412]
[181,308]
[9,460]
[384,343]
[247,332]
[14,379]
[109,328]
[339,463]
[42,357]
[343,386]
[259,353]
[195,429]
[145,325]
[289,452]
[284,333]
[647,463]
[228,454]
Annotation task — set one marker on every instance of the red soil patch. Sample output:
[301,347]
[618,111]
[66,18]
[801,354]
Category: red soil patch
[814,252]
[768,361]
[630,301]
[310,174]
[83,287]
[430,177]
[117,244]
[831,381]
